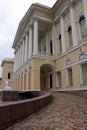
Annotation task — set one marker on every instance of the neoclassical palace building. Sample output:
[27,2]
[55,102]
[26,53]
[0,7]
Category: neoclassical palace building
[51,47]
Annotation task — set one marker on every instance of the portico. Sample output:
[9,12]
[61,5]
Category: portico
[48,44]
[32,42]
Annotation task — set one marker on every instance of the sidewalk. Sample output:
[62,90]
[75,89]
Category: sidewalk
[65,112]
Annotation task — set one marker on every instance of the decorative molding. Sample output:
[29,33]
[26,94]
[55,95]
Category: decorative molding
[74,48]
[82,55]
[35,69]
[68,61]
[74,63]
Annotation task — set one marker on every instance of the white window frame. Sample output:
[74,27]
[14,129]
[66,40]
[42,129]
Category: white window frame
[57,84]
[67,76]
[81,82]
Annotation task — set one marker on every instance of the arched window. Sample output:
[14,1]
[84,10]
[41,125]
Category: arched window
[83,28]
[60,44]
[70,36]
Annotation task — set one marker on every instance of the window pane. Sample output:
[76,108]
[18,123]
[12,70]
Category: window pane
[70,36]
[59,79]
[83,27]
[60,44]
[70,77]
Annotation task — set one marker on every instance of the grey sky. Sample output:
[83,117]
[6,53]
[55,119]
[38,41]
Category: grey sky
[11,12]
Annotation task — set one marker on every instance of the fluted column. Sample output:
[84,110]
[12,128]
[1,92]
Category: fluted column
[74,32]
[23,50]
[21,54]
[46,43]
[30,42]
[26,45]
[15,61]
[62,34]
[35,37]
[85,10]
[53,37]
[18,56]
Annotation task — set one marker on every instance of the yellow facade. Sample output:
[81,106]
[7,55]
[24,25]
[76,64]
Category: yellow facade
[57,40]
[7,71]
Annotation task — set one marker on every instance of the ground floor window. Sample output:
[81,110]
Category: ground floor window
[70,77]
[51,83]
[59,79]
[84,73]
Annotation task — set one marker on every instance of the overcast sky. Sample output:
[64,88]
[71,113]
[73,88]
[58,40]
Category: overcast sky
[11,12]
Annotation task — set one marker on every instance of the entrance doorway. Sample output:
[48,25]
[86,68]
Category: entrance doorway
[46,74]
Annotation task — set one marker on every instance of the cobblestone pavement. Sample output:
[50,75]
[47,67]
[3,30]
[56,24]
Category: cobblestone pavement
[65,112]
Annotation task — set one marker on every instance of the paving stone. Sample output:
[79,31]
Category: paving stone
[65,112]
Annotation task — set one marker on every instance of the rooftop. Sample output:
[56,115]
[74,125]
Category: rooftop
[7,60]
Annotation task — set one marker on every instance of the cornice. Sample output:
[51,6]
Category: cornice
[28,18]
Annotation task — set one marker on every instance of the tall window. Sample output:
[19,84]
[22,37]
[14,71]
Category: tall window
[60,44]
[70,36]
[83,27]
[59,79]
[84,73]
[51,47]
[9,75]
[70,77]
[51,84]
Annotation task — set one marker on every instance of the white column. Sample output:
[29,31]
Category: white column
[46,43]
[30,42]
[26,44]
[20,54]
[85,10]
[15,61]
[62,34]
[18,57]
[53,37]
[35,37]
[23,50]
[74,32]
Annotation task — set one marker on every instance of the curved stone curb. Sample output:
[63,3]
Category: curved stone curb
[11,112]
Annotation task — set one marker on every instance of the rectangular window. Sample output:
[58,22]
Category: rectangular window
[60,44]
[70,77]
[51,81]
[58,79]
[83,29]
[84,73]
[51,47]
[9,75]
